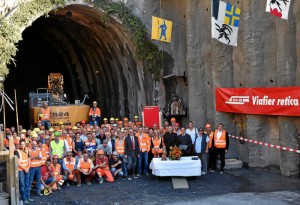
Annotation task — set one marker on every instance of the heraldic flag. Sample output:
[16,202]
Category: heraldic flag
[161,29]
[279,8]
[225,22]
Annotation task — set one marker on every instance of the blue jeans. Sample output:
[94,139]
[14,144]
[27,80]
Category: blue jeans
[124,165]
[35,172]
[97,120]
[46,124]
[24,185]
[113,170]
[143,155]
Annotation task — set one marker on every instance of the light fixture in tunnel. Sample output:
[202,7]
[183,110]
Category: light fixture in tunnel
[68,14]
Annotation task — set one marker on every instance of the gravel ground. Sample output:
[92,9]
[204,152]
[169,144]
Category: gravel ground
[151,190]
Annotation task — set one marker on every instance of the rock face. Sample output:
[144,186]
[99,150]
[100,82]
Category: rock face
[100,62]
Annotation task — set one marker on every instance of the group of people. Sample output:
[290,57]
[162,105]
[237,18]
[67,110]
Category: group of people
[118,149]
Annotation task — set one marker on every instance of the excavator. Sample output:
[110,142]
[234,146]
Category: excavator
[62,112]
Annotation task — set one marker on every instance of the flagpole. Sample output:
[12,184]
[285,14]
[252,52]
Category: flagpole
[17,115]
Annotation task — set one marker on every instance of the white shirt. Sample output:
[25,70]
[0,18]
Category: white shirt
[219,134]
[192,133]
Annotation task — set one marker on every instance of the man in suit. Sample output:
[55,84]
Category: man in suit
[170,139]
[132,153]
[185,139]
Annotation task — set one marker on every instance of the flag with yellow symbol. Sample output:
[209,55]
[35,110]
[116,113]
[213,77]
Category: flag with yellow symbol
[161,29]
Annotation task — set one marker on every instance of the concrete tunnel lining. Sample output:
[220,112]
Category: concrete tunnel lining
[98,58]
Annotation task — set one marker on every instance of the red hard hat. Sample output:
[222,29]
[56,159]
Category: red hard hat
[82,122]
[7,129]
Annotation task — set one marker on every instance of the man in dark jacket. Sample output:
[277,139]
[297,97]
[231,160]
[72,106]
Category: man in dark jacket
[170,139]
[185,142]
[132,153]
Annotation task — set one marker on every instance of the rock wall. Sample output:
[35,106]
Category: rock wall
[266,56]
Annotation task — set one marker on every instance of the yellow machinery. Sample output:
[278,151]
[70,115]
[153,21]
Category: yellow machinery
[61,110]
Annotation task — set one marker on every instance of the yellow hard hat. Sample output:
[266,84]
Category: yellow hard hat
[41,115]
[116,119]
[74,128]
[23,130]
[32,133]
[95,102]
[47,191]
[135,117]
[112,119]
[36,129]
[51,130]
[105,118]
[61,123]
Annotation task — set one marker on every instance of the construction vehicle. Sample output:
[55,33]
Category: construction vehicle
[61,110]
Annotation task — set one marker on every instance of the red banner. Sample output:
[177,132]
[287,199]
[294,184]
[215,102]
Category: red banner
[260,101]
[151,115]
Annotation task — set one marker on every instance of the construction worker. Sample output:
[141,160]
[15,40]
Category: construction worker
[47,175]
[68,140]
[156,144]
[210,134]
[176,128]
[57,173]
[173,122]
[145,143]
[125,121]
[115,162]
[58,147]
[102,167]
[94,114]
[35,166]
[85,167]
[136,121]
[119,142]
[105,124]
[23,168]
[44,151]
[45,115]
[111,121]
[90,146]
[220,144]
[69,167]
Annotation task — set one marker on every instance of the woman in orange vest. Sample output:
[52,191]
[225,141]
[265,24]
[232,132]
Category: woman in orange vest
[156,144]
[23,168]
[102,167]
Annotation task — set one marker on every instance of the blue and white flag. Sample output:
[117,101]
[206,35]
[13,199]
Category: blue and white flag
[225,22]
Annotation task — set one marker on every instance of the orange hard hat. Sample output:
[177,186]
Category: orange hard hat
[71,177]
[125,118]
[42,127]
[82,122]
[173,119]
[100,151]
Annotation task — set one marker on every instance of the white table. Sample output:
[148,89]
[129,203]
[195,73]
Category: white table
[185,167]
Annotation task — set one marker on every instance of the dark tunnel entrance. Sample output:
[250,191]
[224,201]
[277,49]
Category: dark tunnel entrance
[94,58]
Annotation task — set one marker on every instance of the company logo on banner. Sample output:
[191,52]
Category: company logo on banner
[262,101]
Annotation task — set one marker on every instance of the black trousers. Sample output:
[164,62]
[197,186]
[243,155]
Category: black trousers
[216,152]
[210,158]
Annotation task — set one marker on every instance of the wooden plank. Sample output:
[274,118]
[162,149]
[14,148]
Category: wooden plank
[180,183]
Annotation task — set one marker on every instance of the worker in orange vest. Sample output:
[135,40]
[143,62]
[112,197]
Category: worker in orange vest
[85,167]
[95,114]
[57,173]
[69,167]
[35,166]
[102,167]
[44,149]
[105,124]
[120,149]
[136,121]
[220,144]
[23,169]
[45,115]
[145,143]
[210,134]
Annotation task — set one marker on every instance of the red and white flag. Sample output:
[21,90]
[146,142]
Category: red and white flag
[279,8]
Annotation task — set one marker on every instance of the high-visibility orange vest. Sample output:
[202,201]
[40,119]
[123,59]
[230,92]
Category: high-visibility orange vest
[70,143]
[96,112]
[120,146]
[46,149]
[35,162]
[106,125]
[70,164]
[44,157]
[220,143]
[23,160]
[56,169]
[5,142]
[156,144]
[46,113]
[85,166]
[211,135]
[144,142]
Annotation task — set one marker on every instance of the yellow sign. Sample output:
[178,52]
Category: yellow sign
[161,29]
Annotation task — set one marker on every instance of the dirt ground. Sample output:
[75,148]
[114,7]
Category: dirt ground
[151,190]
